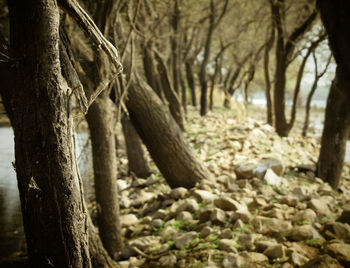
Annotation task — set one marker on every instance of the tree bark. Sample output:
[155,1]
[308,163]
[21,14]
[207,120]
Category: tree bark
[136,155]
[53,209]
[190,81]
[163,138]
[336,129]
[101,123]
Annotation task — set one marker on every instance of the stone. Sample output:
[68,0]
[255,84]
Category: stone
[142,243]
[168,233]
[226,233]
[344,217]
[218,216]
[261,245]
[206,230]
[244,215]
[184,216]
[271,226]
[184,239]
[291,201]
[275,164]
[228,245]
[340,251]
[157,223]
[128,220]
[340,230]
[124,264]
[297,259]
[305,216]
[167,261]
[323,261]
[255,257]
[300,193]
[238,224]
[228,204]
[146,220]
[271,178]
[275,251]
[160,214]
[246,241]
[190,205]
[178,193]
[203,196]
[122,185]
[319,206]
[305,232]
[124,202]
[142,198]
[233,260]
[245,171]
[205,214]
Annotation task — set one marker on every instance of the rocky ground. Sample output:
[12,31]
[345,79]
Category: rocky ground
[264,209]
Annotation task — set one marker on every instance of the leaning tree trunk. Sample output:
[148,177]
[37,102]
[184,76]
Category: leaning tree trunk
[101,123]
[336,132]
[163,138]
[54,214]
[136,155]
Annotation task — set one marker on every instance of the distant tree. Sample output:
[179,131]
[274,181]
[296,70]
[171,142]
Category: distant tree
[336,130]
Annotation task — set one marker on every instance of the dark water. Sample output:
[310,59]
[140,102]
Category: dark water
[11,227]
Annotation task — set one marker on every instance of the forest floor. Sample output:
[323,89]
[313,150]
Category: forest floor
[265,207]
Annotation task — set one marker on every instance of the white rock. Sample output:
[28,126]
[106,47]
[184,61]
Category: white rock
[128,220]
[271,178]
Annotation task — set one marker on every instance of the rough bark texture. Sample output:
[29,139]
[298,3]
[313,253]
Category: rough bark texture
[190,81]
[163,138]
[101,123]
[335,17]
[54,214]
[136,155]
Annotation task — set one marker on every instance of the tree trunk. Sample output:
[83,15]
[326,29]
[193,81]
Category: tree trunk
[308,106]
[101,123]
[336,129]
[136,155]
[190,81]
[53,209]
[184,92]
[335,132]
[269,111]
[163,138]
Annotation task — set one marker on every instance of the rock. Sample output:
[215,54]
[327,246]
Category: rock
[275,164]
[205,214]
[185,239]
[305,232]
[205,232]
[226,233]
[233,260]
[262,245]
[146,220]
[323,261]
[246,241]
[184,216]
[178,193]
[228,245]
[276,251]
[228,204]
[142,243]
[245,171]
[142,198]
[271,226]
[160,214]
[124,202]
[344,217]
[319,206]
[190,205]
[168,261]
[340,251]
[341,230]
[254,257]
[128,220]
[271,178]
[124,264]
[300,193]
[238,224]
[203,196]
[244,215]
[291,201]
[157,223]
[305,216]
[218,216]
[122,185]
[297,259]
[168,233]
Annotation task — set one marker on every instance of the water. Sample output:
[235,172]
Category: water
[11,226]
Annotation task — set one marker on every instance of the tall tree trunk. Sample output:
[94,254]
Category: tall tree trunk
[101,123]
[54,214]
[184,92]
[308,106]
[136,155]
[163,138]
[336,130]
[190,81]
[268,47]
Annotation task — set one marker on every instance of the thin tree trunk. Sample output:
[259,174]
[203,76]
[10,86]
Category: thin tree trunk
[184,92]
[163,138]
[308,106]
[101,122]
[268,47]
[53,209]
[136,155]
[190,81]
